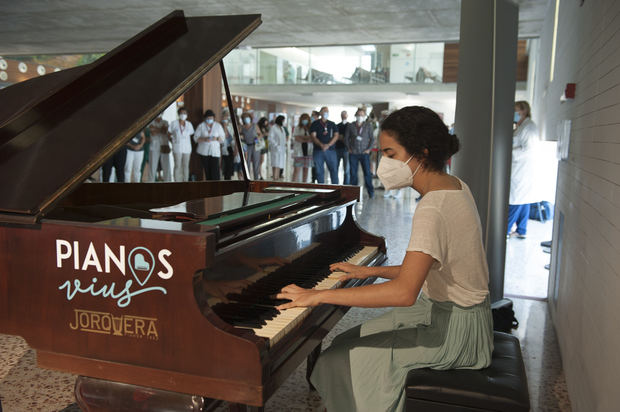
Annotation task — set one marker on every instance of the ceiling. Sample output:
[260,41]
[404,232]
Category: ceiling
[87,26]
[43,27]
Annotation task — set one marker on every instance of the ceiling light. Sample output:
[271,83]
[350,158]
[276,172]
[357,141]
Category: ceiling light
[22,67]
[41,70]
[4,76]
[3,64]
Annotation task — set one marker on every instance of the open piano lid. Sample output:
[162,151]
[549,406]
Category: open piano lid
[56,130]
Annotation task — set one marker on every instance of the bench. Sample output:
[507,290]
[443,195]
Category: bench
[500,387]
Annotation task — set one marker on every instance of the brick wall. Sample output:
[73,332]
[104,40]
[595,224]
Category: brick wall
[584,285]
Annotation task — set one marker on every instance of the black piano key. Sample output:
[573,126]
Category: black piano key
[247,324]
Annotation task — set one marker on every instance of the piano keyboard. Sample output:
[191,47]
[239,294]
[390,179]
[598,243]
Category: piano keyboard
[254,307]
[286,320]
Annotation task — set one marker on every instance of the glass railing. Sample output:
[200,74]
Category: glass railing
[360,64]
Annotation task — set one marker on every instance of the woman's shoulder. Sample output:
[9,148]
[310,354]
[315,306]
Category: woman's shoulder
[448,194]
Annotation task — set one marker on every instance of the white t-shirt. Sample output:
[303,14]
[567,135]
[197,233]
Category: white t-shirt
[158,139]
[298,150]
[446,226]
[216,133]
[181,136]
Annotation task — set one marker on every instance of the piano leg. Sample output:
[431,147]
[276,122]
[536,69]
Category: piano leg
[312,358]
[99,395]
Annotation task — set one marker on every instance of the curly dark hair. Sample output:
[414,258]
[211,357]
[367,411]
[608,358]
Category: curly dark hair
[418,129]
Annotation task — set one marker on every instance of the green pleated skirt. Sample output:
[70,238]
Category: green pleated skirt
[365,367]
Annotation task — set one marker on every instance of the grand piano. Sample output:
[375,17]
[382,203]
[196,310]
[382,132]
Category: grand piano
[159,296]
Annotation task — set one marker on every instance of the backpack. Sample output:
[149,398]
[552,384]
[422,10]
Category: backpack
[503,316]
[541,211]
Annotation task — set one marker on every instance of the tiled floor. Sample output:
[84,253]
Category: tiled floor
[24,387]
[525,273]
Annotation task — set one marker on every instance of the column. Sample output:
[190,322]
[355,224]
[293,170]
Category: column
[483,121]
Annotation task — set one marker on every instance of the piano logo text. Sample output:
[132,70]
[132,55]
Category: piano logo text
[141,262]
[108,324]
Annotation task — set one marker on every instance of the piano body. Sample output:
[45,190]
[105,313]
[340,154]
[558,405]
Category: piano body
[166,286]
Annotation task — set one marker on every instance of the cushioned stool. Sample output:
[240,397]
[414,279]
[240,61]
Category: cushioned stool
[500,387]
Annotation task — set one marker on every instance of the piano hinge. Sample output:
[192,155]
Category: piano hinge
[18,219]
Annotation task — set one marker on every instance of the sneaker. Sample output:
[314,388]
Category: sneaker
[520,236]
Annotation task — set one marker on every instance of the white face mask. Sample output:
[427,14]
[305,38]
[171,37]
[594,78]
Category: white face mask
[395,174]
[360,119]
[247,120]
[325,115]
[183,116]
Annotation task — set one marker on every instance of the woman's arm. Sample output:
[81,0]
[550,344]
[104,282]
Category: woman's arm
[142,141]
[400,291]
[220,134]
[362,272]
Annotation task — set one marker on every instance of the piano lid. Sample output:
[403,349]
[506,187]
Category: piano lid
[61,129]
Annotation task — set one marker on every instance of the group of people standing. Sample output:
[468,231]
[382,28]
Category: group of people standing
[171,143]
[214,145]
[315,142]
[260,138]
[320,142]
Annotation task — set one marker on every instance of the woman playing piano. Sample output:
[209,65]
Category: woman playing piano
[442,317]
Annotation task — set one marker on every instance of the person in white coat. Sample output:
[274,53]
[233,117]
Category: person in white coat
[180,133]
[209,137]
[523,173]
[277,146]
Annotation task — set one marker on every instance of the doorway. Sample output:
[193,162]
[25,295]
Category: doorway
[526,270]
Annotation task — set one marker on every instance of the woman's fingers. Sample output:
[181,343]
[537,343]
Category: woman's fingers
[340,266]
[291,288]
[298,297]
[289,292]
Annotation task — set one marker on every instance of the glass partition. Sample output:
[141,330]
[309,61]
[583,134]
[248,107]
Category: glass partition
[329,65]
